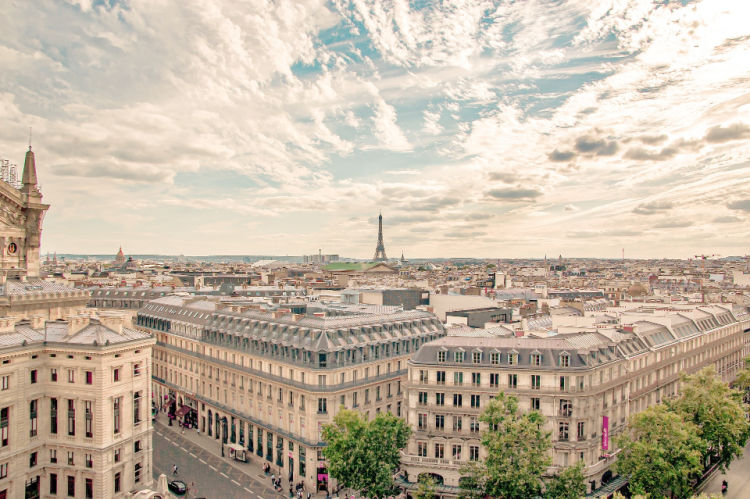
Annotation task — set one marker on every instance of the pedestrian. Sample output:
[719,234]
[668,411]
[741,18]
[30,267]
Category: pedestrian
[273,479]
[309,495]
[291,492]
[174,469]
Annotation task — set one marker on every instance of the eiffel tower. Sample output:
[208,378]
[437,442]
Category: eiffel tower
[380,248]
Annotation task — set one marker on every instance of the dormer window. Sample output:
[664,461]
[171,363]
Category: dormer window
[512,359]
[536,359]
[495,358]
[476,357]
[441,356]
[459,356]
[564,360]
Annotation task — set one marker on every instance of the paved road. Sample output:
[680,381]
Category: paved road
[214,477]
[738,478]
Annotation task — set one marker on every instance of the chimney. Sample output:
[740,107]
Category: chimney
[37,322]
[7,324]
[112,320]
[76,323]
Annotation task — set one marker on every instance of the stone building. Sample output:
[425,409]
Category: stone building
[586,384]
[270,380]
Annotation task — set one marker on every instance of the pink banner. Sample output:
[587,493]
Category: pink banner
[605,433]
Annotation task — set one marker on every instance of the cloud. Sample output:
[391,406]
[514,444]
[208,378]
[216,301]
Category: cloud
[735,131]
[571,207]
[653,207]
[514,194]
[386,130]
[726,220]
[673,224]
[589,144]
[740,205]
[652,139]
[561,156]
[641,154]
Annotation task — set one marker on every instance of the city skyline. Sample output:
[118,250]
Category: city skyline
[577,128]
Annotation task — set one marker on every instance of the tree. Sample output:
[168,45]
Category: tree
[742,381]
[717,411]
[661,452]
[425,489]
[568,484]
[516,446]
[363,455]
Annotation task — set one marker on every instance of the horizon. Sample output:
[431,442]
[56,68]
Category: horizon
[581,129]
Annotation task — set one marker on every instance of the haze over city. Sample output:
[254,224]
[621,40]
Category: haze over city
[476,128]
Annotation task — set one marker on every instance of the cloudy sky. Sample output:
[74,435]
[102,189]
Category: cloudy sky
[478,128]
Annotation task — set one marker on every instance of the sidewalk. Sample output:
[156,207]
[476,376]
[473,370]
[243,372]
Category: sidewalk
[252,468]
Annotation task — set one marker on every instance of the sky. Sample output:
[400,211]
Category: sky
[489,129]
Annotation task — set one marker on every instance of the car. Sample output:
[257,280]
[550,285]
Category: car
[177,486]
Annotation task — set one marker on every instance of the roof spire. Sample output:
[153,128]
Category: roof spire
[29,170]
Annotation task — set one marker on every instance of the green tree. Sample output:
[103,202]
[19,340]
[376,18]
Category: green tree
[363,455]
[742,381]
[516,446]
[717,411]
[568,484]
[661,452]
[426,489]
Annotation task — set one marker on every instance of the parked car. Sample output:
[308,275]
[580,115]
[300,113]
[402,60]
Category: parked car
[177,486]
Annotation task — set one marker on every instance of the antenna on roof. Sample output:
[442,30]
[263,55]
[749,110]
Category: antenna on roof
[29,138]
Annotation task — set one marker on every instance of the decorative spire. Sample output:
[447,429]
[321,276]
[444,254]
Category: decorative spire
[29,172]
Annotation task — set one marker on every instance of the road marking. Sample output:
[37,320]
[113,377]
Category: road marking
[210,466]
[248,489]
[193,455]
[236,483]
[175,444]
[259,497]
[223,474]
[201,460]
[167,438]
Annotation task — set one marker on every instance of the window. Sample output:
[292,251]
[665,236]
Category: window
[89,377]
[474,424]
[441,356]
[117,455]
[116,414]
[53,483]
[422,421]
[422,376]
[33,376]
[71,379]
[53,375]
[439,422]
[33,417]
[563,383]
[422,398]
[536,359]
[494,358]
[439,399]
[137,472]
[118,482]
[473,453]
[322,406]
[136,407]
[6,382]
[32,459]
[53,415]
[475,401]
[439,451]
[53,456]
[476,379]
[116,374]
[459,356]
[4,415]
[71,486]
[458,378]
[89,488]
[89,418]
[71,459]
[562,433]
[456,452]
[137,370]
[71,417]
[564,360]
[3,470]
[534,403]
[512,359]
[512,381]
[441,377]
[421,449]
[494,380]
[457,423]
[566,408]
[476,357]
[536,382]
[89,461]
[457,400]
[581,430]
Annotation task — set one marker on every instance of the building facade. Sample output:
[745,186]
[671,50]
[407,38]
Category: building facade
[74,408]
[586,384]
[270,381]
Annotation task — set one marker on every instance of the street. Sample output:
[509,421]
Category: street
[738,478]
[212,476]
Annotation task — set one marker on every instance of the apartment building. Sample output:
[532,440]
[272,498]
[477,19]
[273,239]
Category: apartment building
[269,381]
[586,384]
[74,408]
